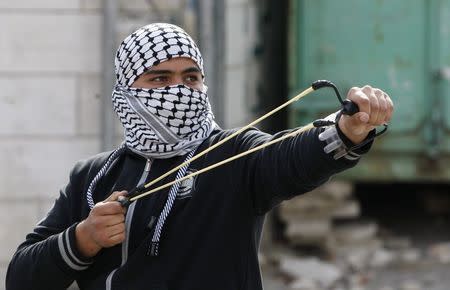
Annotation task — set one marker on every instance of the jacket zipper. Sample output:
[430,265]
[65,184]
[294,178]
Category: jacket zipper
[128,220]
[144,176]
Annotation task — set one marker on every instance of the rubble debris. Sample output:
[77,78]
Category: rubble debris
[397,243]
[322,273]
[381,258]
[304,284]
[309,218]
[440,252]
[409,256]
[355,232]
[308,231]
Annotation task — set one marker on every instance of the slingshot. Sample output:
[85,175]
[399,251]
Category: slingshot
[348,108]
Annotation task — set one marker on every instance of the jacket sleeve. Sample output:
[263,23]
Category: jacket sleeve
[49,259]
[288,168]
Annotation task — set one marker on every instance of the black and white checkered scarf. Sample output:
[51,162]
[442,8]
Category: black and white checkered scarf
[162,122]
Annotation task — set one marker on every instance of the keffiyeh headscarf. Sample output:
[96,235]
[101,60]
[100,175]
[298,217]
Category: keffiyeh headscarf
[162,122]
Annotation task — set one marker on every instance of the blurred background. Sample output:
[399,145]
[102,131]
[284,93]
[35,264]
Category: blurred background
[382,226]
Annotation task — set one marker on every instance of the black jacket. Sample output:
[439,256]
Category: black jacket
[211,237]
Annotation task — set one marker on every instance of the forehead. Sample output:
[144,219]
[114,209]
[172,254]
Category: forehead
[175,64]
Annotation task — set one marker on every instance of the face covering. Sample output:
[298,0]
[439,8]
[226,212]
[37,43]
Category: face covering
[162,122]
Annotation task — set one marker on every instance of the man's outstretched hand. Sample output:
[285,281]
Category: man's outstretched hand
[375,109]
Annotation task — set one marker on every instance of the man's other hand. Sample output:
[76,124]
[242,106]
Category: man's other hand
[103,228]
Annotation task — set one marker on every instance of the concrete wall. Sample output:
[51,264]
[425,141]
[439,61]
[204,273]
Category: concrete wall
[241,66]
[50,80]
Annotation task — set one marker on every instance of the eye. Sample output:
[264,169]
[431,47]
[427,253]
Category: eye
[192,78]
[159,79]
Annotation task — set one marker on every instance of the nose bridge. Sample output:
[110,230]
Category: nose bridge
[177,79]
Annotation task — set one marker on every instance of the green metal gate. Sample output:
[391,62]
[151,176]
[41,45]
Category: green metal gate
[400,46]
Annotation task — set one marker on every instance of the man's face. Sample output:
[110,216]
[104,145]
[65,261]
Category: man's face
[175,71]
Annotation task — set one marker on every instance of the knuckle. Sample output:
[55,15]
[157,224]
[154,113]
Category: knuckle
[95,209]
[364,100]
[98,208]
[121,237]
[379,93]
[354,89]
[117,239]
[108,244]
[352,92]
[367,88]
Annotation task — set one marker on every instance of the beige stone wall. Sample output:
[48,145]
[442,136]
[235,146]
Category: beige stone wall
[49,100]
[241,67]
[50,92]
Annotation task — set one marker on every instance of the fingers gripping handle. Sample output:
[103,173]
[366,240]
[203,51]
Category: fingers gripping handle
[348,107]
[125,200]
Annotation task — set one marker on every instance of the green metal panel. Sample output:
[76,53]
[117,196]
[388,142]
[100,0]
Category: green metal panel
[443,64]
[400,46]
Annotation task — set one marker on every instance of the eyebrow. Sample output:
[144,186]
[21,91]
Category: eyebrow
[166,72]
[192,69]
[158,72]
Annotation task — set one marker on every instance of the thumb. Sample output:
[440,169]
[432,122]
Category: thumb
[115,195]
[355,124]
[362,117]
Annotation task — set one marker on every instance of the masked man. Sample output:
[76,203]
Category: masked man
[202,233]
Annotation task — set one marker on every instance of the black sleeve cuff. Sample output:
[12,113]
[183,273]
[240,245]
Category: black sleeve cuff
[69,251]
[349,144]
